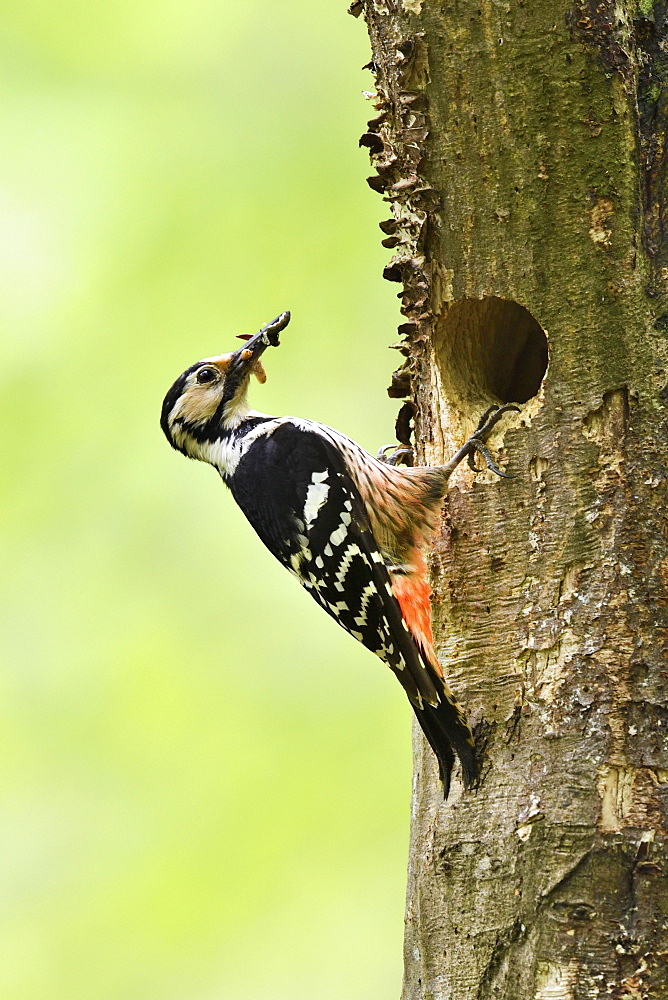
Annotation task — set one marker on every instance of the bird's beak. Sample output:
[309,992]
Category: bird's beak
[246,357]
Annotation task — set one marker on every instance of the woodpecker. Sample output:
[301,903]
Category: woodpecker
[353,529]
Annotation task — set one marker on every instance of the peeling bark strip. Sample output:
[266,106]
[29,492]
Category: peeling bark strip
[522,151]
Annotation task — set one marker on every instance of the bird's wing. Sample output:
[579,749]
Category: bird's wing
[295,490]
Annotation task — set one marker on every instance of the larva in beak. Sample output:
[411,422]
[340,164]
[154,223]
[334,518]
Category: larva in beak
[258,371]
[257,368]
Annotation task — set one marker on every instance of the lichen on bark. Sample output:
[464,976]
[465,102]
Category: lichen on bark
[522,151]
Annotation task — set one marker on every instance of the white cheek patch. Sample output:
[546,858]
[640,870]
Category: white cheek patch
[198,403]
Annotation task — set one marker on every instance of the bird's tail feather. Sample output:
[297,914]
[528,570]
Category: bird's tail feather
[446,730]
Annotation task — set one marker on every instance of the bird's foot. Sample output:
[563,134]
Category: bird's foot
[402,455]
[476,443]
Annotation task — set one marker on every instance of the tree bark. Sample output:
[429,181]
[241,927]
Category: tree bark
[522,148]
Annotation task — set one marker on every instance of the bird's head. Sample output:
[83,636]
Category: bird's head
[210,396]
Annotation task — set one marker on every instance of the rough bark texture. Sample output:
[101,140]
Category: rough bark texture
[522,149]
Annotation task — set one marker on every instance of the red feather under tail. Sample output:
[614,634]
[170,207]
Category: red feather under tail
[444,725]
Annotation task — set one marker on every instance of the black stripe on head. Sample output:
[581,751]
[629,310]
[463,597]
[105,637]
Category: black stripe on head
[234,381]
[170,400]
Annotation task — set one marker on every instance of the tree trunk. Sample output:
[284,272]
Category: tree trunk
[522,149]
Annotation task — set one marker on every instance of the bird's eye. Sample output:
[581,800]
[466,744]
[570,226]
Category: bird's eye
[207,375]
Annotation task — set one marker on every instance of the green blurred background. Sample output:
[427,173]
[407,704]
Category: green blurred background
[205,783]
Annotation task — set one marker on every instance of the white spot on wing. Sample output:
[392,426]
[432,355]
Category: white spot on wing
[341,533]
[366,596]
[316,495]
[348,556]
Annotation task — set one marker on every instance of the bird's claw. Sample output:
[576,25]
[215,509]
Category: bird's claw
[476,443]
[397,455]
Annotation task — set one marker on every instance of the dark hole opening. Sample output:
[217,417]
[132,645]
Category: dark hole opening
[491,349]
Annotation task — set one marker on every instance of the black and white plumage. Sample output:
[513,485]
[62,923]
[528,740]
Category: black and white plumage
[351,528]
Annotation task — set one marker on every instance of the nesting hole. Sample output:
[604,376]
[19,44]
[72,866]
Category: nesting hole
[490,350]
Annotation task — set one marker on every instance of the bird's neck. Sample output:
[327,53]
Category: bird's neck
[224,446]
